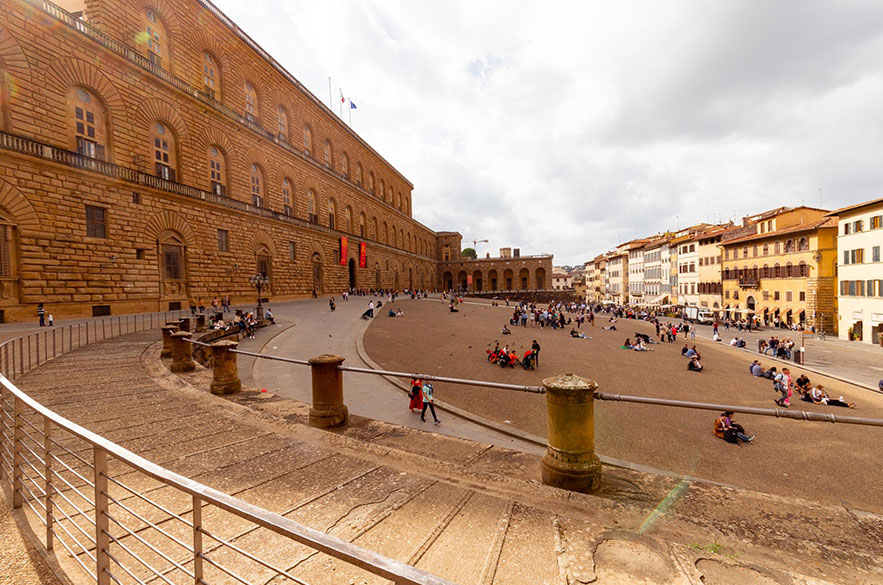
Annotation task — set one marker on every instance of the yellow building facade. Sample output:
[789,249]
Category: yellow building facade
[784,272]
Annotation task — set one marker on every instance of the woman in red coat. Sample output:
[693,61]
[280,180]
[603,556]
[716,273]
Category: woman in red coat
[416,395]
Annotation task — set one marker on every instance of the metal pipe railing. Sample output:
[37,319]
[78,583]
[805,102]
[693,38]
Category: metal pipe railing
[776,412]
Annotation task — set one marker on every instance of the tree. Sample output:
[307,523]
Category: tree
[469,253]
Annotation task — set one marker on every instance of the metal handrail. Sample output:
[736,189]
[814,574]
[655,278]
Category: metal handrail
[385,567]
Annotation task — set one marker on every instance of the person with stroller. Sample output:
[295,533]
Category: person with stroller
[527,362]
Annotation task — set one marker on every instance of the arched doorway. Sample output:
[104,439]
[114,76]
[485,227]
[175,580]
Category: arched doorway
[318,277]
[448,280]
[476,281]
[507,279]
[523,275]
[750,303]
[541,278]
[461,280]
[352,270]
[9,290]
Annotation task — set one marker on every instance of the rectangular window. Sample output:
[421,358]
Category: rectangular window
[172,261]
[223,241]
[859,225]
[776,295]
[875,254]
[876,221]
[292,251]
[860,256]
[136,198]
[852,256]
[846,230]
[850,288]
[802,296]
[846,256]
[286,210]
[860,288]
[96,222]
[257,200]
[789,296]
[869,288]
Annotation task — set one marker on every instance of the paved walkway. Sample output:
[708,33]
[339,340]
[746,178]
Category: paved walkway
[309,329]
[464,510]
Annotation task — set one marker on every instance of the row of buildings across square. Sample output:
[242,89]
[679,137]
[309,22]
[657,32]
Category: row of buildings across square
[790,266]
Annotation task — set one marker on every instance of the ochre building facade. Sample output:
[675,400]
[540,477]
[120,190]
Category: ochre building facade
[151,152]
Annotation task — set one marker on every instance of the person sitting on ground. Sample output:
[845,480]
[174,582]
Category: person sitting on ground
[716,337]
[579,334]
[692,352]
[610,328]
[730,431]
[639,345]
[452,308]
[268,315]
[694,365]
[818,396]
[803,385]
[505,331]
[740,342]
[685,350]
[627,344]
[400,313]
[756,369]
[391,313]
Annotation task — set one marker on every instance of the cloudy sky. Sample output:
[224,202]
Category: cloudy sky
[569,127]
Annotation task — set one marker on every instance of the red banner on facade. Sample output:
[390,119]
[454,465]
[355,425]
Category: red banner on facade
[363,255]
[343,250]
[469,279]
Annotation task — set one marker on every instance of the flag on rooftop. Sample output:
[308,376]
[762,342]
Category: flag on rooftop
[352,105]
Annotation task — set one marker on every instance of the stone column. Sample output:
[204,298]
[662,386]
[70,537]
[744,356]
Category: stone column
[328,409]
[200,322]
[225,371]
[167,331]
[182,353]
[184,323]
[570,461]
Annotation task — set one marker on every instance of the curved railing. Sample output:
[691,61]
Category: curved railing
[101,502]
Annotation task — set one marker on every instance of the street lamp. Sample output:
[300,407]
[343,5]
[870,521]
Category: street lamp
[259,281]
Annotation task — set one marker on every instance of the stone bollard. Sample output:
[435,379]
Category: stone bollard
[167,331]
[182,353]
[570,461]
[184,323]
[328,409]
[200,322]
[225,372]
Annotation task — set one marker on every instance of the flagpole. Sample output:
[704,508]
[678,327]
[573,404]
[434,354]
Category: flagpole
[351,113]
[341,104]
[330,95]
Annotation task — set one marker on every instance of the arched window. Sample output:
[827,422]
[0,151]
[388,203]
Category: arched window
[257,185]
[362,225]
[332,214]
[287,190]
[210,76]
[804,270]
[385,234]
[766,249]
[282,123]
[382,188]
[308,140]
[156,38]
[409,242]
[754,251]
[789,246]
[789,269]
[401,237]
[218,171]
[264,265]
[313,207]
[777,270]
[89,120]
[803,246]
[765,271]
[394,240]
[251,102]
[345,165]
[391,199]
[777,248]
[371,181]
[348,219]
[164,158]
[358,173]
[329,155]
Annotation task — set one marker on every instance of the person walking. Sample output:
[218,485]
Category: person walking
[416,395]
[782,384]
[41,313]
[536,351]
[692,331]
[225,304]
[370,309]
[428,403]
[331,304]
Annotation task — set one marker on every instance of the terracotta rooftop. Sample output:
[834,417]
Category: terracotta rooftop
[826,222]
[837,212]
